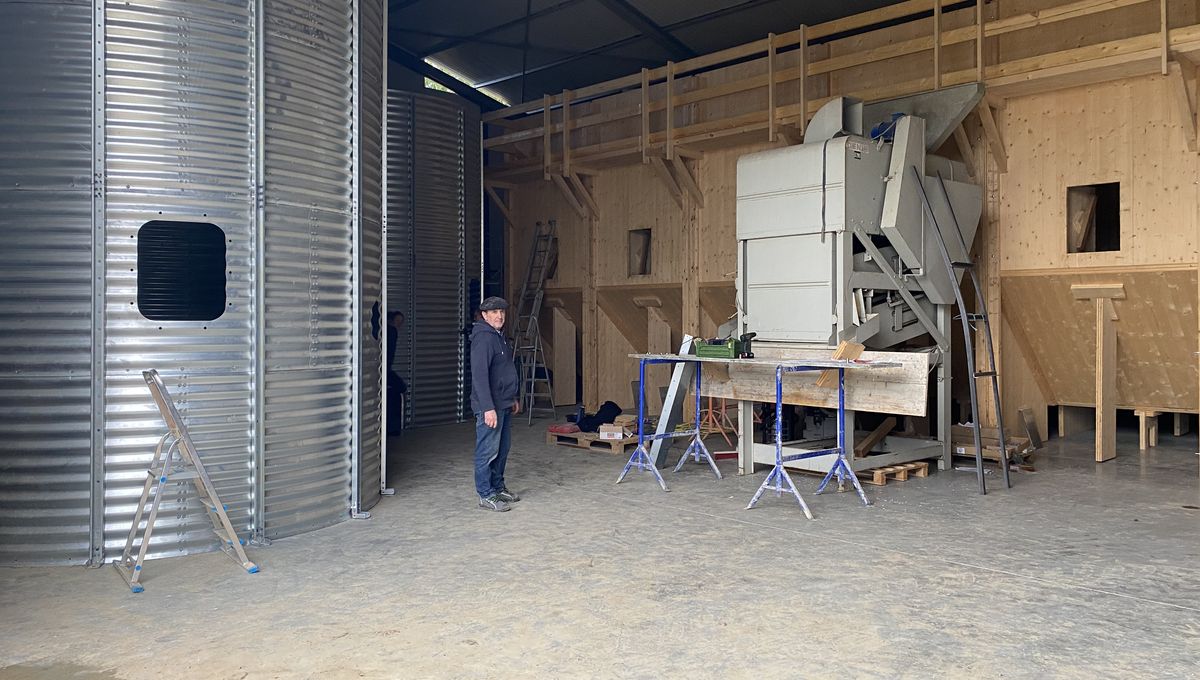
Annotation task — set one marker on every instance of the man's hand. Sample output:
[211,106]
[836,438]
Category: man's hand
[516,406]
[489,418]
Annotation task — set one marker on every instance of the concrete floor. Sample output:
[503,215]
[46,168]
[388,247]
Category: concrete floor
[1080,571]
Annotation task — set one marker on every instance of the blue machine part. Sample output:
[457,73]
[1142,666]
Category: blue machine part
[886,129]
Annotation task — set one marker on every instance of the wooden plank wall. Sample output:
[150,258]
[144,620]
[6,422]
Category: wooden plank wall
[1127,131]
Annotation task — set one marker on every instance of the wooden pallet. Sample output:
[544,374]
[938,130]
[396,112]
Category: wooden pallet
[591,441]
[900,473]
[880,476]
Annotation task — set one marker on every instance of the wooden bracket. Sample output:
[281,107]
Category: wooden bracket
[584,194]
[964,147]
[684,176]
[1081,218]
[664,173]
[504,209]
[993,134]
[569,195]
[1181,75]
[864,447]
[791,134]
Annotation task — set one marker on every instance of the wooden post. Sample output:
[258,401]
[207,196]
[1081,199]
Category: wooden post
[803,79]
[1163,38]
[937,44]
[979,40]
[546,122]
[1181,424]
[564,358]
[1106,381]
[645,115]
[670,110]
[770,87]
[566,133]
[1103,294]
[1147,428]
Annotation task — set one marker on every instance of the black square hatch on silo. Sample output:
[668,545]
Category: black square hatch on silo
[180,271]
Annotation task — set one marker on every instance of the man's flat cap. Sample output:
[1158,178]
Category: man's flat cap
[493,303]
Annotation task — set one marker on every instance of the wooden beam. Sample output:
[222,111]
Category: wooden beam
[1090,291]
[937,44]
[670,147]
[645,139]
[1183,94]
[569,195]
[803,79]
[1164,39]
[1081,219]
[964,147]
[1030,354]
[1147,428]
[993,135]
[979,41]
[565,361]
[582,192]
[547,155]
[1106,382]
[864,447]
[1181,424]
[771,122]
[566,133]
[791,134]
[664,174]
[491,192]
[685,178]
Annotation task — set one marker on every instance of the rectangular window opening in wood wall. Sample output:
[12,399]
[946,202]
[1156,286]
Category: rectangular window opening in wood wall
[639,252]
[1094,218]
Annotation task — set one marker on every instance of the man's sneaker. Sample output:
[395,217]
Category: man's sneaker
[507,496]
[494,503]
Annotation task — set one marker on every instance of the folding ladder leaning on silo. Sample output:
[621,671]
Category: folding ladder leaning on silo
[165,470]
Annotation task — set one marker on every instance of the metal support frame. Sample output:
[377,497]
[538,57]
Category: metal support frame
[384,489]
[259,455]
[841,468]
[99,232]
[356,342]
[930,326]
[641,455]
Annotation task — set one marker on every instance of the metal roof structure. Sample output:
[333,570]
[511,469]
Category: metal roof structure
[513,51]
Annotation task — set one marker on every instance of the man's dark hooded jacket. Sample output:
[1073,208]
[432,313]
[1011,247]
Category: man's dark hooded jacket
[493,374]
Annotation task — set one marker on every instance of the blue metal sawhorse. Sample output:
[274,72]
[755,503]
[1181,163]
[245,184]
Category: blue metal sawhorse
[840,466]
[696,449]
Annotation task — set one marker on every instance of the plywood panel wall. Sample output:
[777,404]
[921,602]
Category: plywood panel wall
[633,197]
[1156,335]
[1125,131]
[541,201]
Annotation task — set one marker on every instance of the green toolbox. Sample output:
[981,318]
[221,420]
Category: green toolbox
[729,348]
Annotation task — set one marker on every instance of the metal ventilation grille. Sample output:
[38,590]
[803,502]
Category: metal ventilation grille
[180,271]
[45,310]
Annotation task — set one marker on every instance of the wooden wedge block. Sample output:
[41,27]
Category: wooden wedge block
[845,350]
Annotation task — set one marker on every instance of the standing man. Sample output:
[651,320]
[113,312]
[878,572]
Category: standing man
[494,386]
[396,387]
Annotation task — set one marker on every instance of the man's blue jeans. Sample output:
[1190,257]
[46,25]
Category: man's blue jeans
[491,452]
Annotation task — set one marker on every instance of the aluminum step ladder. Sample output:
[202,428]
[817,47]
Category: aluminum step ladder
[175,462]
[968,319]
[528,350]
